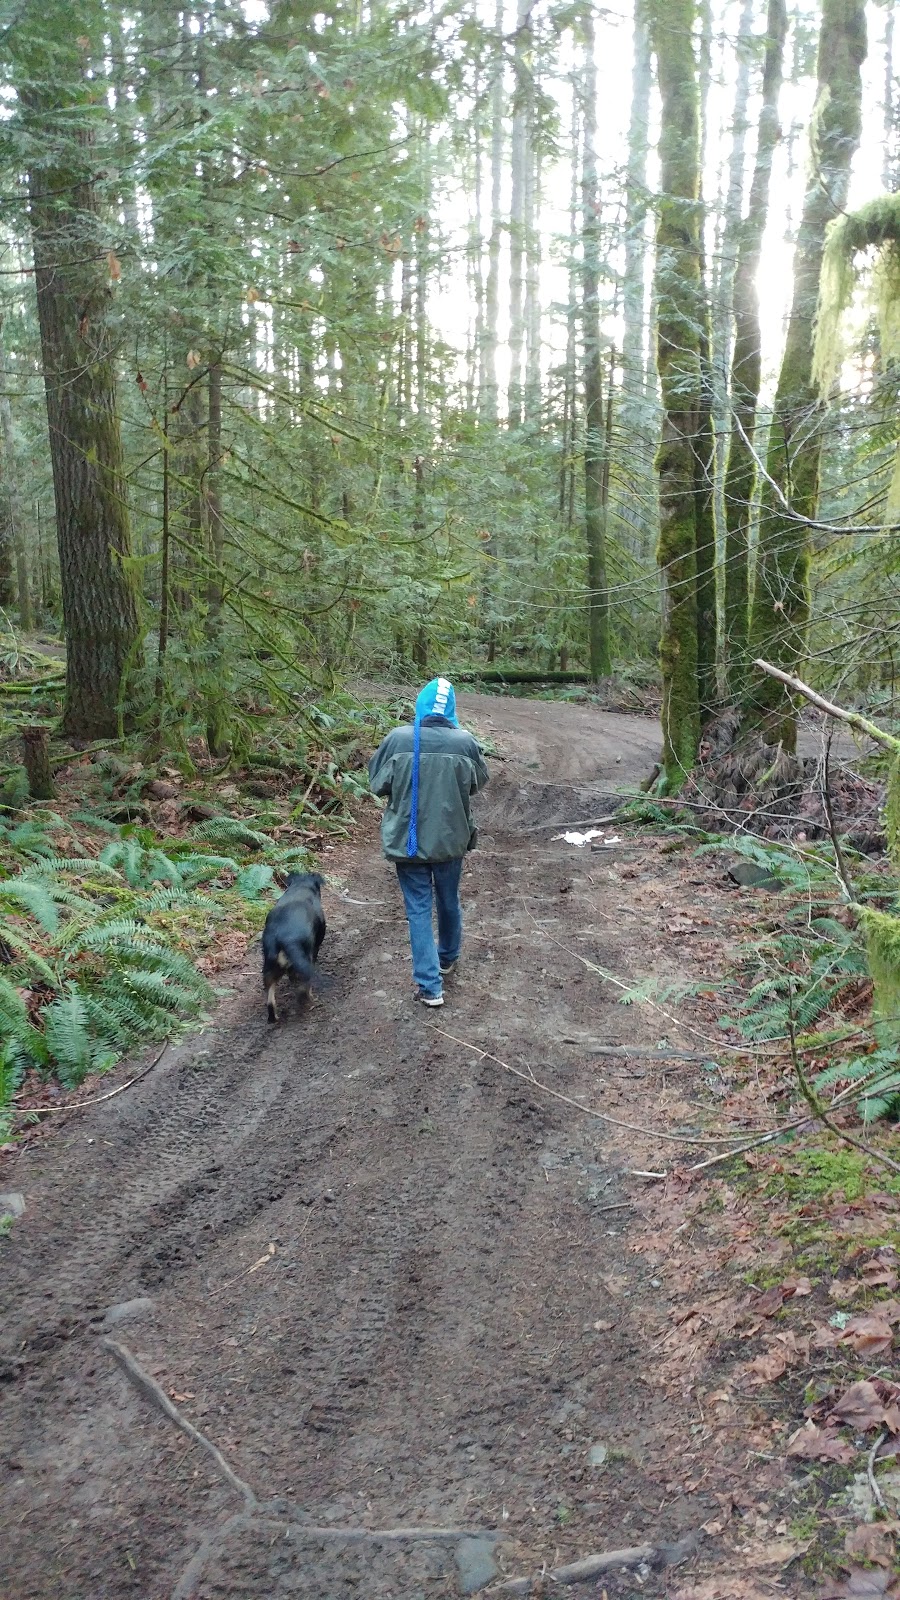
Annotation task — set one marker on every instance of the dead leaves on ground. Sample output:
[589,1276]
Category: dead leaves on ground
[864,1406]
[863,1583]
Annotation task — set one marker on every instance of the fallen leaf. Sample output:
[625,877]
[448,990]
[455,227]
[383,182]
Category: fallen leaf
[768,1366]
[603,1327]
[772,1300]
[812,1443]
[861,1407]
[843,1289]
[774,1552]
[875,1275]
[861,1585]
[868,1335]
[872,1541]
[798,1286]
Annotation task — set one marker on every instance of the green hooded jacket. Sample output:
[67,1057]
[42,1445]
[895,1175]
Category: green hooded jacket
[451,770]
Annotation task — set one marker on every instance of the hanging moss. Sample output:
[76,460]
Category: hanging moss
[874,226]
[883,949]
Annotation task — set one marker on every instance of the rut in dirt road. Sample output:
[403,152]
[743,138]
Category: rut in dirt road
[388,1280]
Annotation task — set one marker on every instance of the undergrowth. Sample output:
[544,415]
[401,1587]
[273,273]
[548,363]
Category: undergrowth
[103,921]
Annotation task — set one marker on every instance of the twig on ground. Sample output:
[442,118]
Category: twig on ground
[647,1052]
[151,1391]
[257,1513]
[870,1469]
[599,1116]
[658,1555]
[84,1105]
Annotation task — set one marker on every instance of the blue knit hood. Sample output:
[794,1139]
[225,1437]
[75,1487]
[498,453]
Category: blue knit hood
[437,699]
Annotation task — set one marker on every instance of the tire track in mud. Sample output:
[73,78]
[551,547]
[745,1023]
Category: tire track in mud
[419,1345]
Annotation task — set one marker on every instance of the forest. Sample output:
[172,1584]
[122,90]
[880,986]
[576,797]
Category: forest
[342,347]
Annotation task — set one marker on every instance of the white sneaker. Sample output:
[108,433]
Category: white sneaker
[449,968]
[430,999]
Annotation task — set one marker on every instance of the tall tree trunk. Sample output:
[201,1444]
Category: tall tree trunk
[678,294]
[11,532]
[704,438]
[520,155]
[532,406]
[216,697]
[726,254]
[567,457]
[16,518]
[594,421]
[780,615]
[889,140]
[488,395]
[634,297]
[77,343]
[475,380]
[746,363]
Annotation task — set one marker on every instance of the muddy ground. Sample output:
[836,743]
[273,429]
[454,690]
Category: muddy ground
[393,1283]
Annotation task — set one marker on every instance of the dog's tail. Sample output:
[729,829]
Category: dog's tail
[291,957]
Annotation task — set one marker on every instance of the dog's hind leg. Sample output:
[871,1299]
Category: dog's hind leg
[271,1007]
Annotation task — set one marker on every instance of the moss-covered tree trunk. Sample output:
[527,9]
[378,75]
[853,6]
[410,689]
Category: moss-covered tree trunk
[780,613]
[594,419]
[740,478]
[678,297]
[72,279]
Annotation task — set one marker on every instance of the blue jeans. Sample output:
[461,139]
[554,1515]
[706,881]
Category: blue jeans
[423,883]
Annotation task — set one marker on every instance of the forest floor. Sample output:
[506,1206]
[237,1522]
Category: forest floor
[398,1286]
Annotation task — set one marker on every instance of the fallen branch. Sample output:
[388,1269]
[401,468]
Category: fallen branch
[862,724]
[655,1555]
[820,1114]
[870,1469]
[150,1389]
[256,1513]
[84,1105]
[647,1052]
[600,1116]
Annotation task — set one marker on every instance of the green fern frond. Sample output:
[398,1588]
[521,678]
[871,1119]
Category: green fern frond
[34,898]
[230,831]
[29,957]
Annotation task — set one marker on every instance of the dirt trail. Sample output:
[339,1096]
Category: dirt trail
[389,1280]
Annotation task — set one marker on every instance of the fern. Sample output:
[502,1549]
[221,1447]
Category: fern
[660,991]
[72,1046]
[875,1077]
[253,880]
[23,1043]
[229,831]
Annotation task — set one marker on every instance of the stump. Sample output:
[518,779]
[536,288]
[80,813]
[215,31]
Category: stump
[36,745]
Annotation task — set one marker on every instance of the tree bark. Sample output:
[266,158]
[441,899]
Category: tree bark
[780,614]
[678,294]
[12,541]
[488,397]
[521,95]
[36,756]
[746,368]
[594,420]
[73,294]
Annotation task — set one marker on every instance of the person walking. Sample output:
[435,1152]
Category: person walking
[428,773]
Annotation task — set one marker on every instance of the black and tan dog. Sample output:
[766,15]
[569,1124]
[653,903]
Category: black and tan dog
[292,936]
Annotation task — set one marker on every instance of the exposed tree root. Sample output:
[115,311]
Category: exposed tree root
[258,1514]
